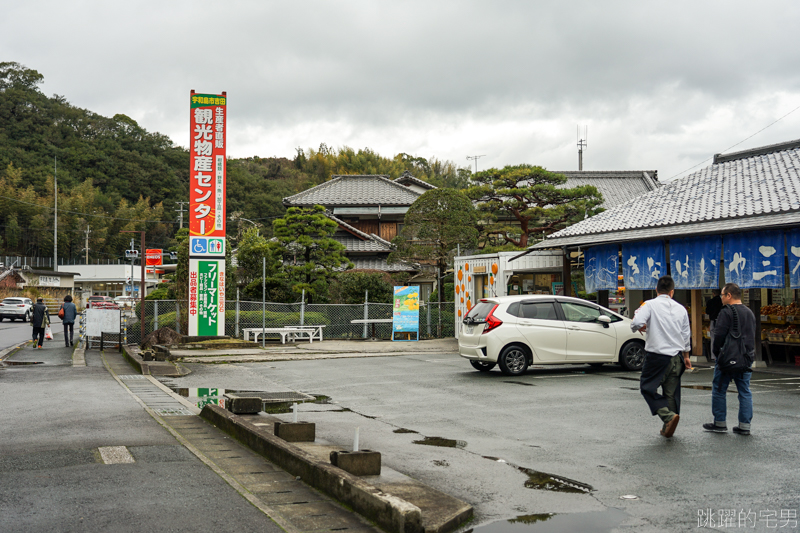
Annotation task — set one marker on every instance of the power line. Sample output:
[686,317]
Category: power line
[735,145]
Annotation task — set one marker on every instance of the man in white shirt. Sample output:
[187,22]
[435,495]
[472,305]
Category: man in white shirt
[666,353]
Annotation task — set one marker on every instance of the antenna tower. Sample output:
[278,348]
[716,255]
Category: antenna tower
[583,142]
[475,158]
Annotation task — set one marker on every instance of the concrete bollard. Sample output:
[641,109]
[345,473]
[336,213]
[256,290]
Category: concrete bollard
[243,405]
[360,463]
[296,431]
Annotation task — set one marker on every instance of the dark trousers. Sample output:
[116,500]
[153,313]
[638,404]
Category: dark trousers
[68,333]
[665,372]
[38,333]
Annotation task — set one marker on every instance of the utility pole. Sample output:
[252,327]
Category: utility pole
[475,158]
[180,210]
[55,218]
[141,286]
[582,143]
[87,232]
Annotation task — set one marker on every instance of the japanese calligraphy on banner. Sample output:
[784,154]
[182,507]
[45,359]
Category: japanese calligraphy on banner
[642,264]
[755,260]
[695,262]
[793,249]
[206,297]
[207,164]
[601,267]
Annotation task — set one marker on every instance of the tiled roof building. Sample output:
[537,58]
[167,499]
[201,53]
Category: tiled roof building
[742,191]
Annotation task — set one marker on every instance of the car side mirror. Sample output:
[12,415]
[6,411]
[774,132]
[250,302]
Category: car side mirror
[603,319]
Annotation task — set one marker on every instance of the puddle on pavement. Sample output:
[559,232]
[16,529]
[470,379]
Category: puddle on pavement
[592,522]
[404,430]
[520,383]
[441,442]
[544,481]
[14,363]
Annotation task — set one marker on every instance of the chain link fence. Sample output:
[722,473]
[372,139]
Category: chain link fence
[434,322]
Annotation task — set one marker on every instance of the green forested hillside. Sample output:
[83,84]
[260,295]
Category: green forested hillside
[114,175]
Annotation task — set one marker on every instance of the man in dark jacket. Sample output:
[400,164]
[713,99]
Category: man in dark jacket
[40,319]
[732,298]
[713,307]
[70,313]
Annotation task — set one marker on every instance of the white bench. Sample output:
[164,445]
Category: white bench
[372,321]
[292,333]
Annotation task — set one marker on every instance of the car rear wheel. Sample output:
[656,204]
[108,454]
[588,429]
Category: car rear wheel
[25,317]
[631,357]
[513,360]
[482,366]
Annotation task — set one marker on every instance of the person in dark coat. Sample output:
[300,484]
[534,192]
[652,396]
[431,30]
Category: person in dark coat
[713,307]
[39,320]
[70,314]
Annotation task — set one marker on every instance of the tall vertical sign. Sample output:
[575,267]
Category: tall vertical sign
[207,214]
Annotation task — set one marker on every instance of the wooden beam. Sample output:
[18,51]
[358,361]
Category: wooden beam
[697,322]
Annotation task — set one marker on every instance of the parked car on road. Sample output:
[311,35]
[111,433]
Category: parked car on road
[16,309]
[125,302]
[516,332]
[101,302]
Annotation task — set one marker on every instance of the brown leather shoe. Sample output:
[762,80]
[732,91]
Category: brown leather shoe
[669,427]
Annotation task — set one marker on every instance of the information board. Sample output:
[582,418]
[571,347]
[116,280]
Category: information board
[405,314]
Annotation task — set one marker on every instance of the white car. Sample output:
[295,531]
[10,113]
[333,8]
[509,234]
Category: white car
[125,302]
[516,332]
[16,308]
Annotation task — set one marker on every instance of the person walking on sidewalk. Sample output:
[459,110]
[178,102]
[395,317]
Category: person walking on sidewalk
[666,353]
[733,312]
[40,320]
[68,320]
[713,307]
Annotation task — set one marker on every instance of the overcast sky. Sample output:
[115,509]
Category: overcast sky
[661,86]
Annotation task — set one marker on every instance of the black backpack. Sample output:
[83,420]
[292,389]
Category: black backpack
[733,357]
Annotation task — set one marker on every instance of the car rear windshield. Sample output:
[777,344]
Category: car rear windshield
[479,312]
[13,301]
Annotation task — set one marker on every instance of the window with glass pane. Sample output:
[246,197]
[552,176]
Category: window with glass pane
[580,313]
[539,310]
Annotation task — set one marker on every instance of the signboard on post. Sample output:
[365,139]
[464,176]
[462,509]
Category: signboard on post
[207,211]
[206,297]
[405,314]
[207,165]
[153,257]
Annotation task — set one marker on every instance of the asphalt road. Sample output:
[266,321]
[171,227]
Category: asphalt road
[575,423]
[57,421]
[13,333]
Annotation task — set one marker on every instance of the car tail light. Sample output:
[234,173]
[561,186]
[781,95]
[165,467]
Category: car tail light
[491,321]
[20,305]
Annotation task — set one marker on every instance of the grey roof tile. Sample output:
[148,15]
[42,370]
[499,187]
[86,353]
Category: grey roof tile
[738,193]
[406,177]
[616,186]
[369,190]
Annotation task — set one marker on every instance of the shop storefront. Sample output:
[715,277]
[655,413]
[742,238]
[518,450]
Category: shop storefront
[502,274]
[736,221]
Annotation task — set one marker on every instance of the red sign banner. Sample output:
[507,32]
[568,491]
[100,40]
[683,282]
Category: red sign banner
[152,257]
[207,164]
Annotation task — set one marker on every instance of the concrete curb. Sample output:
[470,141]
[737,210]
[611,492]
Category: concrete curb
[391,513]
[11,349]
[153,368]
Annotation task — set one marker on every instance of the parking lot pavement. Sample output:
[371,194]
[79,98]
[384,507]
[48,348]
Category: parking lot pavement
[574,423]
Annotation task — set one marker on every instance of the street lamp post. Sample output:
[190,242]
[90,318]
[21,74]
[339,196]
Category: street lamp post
[141,283]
